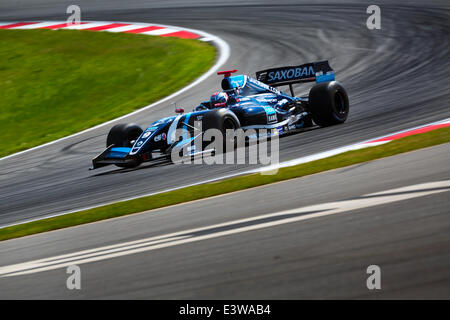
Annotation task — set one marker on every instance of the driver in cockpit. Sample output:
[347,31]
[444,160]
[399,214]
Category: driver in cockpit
[219,99]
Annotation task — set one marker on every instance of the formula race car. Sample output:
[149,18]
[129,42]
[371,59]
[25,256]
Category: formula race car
[244,103]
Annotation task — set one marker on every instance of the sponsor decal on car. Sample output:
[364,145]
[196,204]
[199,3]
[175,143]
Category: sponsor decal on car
[293,73]
[263,85]
[160,137]
[146,134]
[271,114]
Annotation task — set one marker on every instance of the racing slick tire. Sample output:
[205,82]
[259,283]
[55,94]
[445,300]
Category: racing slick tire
[328,103]
[124,135]
[222,119]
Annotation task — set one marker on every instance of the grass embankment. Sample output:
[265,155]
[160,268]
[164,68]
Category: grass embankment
[55,83]
[233,184]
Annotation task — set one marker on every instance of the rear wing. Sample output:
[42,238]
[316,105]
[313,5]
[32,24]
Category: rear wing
[315,71]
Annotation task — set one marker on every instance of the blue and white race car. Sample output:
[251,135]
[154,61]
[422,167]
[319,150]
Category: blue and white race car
[243,103]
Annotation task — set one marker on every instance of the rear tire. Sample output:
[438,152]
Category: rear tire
[329,103]
[124,135]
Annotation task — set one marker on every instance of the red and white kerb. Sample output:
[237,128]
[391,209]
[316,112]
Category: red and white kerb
[136,28]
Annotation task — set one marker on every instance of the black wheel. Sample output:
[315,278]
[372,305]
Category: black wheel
[229,123]
[223,120]
[124,135]
[328,102]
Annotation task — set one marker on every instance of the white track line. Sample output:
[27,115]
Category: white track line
[224,54]
[234,227]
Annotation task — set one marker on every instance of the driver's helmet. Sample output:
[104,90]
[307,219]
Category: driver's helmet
[219,99]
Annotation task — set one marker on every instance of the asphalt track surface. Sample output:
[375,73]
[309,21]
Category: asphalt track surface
[397,78]
[317,258]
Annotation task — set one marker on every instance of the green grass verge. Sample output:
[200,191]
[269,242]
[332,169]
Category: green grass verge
[233,184]
[55,83]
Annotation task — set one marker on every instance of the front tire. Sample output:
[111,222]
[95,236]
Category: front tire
[124,135]
[329,103]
